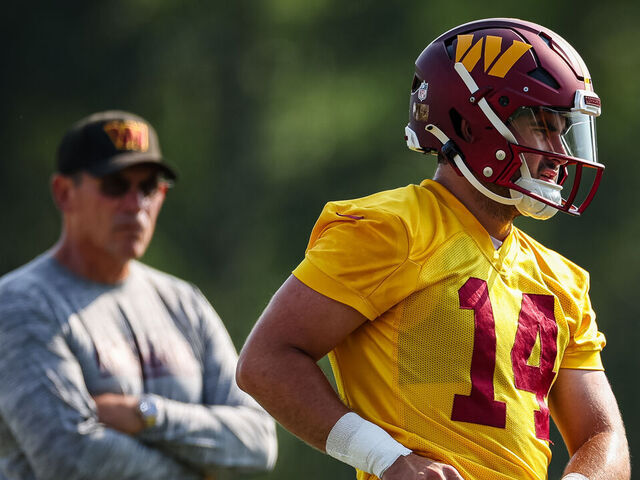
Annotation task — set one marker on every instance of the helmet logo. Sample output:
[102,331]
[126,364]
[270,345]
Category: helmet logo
[422,91]
[496,62]
[128,135]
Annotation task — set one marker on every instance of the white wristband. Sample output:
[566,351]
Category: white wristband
[363,445]
[574,476]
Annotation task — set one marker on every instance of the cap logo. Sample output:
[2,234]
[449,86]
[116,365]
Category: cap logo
[128,135]
[496,62]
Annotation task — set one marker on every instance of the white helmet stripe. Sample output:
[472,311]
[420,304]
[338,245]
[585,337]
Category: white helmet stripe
[484,106]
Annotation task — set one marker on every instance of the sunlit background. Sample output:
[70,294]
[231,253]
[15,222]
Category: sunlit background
[269,109]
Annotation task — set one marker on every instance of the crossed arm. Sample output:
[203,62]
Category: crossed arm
[52,426]
[228,430]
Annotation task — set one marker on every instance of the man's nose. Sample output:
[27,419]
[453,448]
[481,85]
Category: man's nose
[554,163]
[134,199]
[556,145]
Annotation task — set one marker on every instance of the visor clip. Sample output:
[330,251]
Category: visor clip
[480,94]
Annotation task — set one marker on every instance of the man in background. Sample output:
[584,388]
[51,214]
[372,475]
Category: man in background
[454,337]
[111,369]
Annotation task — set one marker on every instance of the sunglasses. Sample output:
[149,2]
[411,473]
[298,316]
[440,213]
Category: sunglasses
[116,185]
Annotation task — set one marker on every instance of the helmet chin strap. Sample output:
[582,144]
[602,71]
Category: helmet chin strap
[525,204]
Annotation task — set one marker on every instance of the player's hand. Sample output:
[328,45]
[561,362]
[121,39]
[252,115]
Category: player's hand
[415,467]
[119,412]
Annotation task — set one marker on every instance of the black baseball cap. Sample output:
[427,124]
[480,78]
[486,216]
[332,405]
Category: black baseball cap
[106,142]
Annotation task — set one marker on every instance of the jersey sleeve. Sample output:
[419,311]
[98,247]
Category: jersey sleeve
[586,342]
[359,256]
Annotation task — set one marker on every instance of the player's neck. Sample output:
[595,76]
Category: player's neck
[497,219]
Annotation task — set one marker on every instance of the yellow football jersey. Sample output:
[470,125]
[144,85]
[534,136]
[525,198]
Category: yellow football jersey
[464,341]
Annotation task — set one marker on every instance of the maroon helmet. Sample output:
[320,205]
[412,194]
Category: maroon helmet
[494,95]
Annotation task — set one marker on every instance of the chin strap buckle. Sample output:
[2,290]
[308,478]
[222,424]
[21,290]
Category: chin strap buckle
[450,150]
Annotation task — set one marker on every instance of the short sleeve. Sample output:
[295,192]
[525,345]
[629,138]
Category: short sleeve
[359,256]
[586,342]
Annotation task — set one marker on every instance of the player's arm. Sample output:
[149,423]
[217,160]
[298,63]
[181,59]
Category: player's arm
[50,419]
[586,412]
[278,368]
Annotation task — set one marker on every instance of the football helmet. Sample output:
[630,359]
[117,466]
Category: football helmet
[511,103]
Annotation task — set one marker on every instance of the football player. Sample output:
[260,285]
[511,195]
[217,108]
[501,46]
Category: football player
[454,336]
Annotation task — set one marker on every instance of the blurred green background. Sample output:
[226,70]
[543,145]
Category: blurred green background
[271,108]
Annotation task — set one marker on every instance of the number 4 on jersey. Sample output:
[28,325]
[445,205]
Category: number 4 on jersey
[536,318]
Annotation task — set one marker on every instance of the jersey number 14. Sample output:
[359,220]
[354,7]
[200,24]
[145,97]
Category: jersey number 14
[536,318]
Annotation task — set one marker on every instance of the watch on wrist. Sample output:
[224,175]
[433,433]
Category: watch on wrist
[148,411]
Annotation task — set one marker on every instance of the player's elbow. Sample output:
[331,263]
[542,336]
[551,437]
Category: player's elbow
[248,371]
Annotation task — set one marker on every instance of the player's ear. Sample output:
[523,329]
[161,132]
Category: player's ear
[62,191]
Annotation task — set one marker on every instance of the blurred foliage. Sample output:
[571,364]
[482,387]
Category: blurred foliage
[271,108]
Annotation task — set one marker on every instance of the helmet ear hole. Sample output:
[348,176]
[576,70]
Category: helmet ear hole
[460,125]
[467,134]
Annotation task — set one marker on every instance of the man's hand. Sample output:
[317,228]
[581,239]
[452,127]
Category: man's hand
[415,467]
[119,412]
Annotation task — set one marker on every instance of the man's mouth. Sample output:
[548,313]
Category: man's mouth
[133,223]
[548,175]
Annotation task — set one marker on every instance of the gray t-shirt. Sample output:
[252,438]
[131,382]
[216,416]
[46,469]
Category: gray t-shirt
[64,339]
